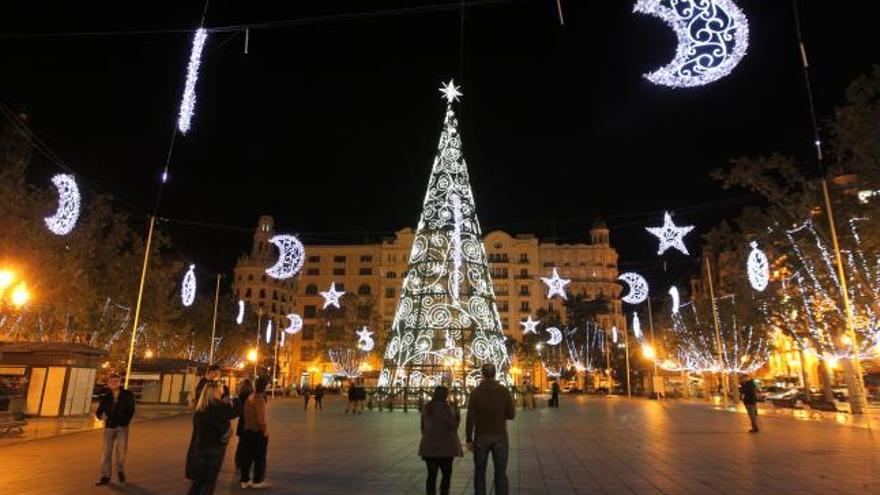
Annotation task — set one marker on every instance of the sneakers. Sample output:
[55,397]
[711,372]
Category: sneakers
[103,481]
[753,430]
[121,477]
[245,484]
[261,484]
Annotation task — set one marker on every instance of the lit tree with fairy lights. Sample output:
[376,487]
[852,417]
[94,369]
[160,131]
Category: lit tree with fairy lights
[447,324]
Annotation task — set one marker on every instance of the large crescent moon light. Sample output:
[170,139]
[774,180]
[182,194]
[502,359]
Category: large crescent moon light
[555,336]
[296,323]
[291,255]
[713,36]
[65,217]
[638,288]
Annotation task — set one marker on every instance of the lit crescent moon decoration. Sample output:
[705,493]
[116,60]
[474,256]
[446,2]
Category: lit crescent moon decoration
[65,217]
[555,336]
[188,289]
[296,323]
[638,288]
[291,255]
[673,292]
[758,268]
[240,318]
[713,36]
[365,340]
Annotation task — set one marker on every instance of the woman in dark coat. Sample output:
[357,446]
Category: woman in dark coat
[247,388]
[211,431]
[440,442]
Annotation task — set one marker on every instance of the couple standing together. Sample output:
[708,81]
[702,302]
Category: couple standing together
[489,408]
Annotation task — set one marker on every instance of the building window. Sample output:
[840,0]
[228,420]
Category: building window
[523,258]
[389,292]
[251,277]
[339,259]
[263,278]
[310,311]
[274,309]
[262,293]
[366,259]
[502,306]
[390,275]
[283,298]
[274,295]
[365,271]
[364,290]
[523,273]
[548,264]
[523,290]
[340,286]
[306,353]
[314,259]
[311,290]
[308,332]
[524,306]
[339,271]
[247,293]
[313,271]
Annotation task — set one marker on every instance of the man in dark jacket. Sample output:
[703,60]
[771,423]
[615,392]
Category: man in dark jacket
[489,408]
[749,393]
[116,410]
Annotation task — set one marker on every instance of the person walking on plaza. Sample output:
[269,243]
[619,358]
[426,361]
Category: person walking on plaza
[554,395]
[212,427]
[319,397]
[440,442]
[489,409]
[306,393]
[255,437]
[116,409]
[749,393]
[245,391]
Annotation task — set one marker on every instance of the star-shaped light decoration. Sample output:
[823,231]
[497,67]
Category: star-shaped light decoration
[365,341]
[670,236]
[332,296]
[450,91]
[556,285]
[529,325]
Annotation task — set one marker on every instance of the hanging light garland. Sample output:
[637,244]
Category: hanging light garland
[188,101]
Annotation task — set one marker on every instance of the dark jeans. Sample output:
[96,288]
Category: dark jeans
[499,449]
[444,464]
[306,397]
[319,402]
[253,453]
[752,409]
[207,467]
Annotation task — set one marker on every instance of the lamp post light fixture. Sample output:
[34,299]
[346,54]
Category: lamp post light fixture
[148,354]
[252,356]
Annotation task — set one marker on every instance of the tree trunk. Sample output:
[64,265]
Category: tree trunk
[826,378]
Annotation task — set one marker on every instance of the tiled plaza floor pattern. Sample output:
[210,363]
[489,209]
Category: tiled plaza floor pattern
[590,445]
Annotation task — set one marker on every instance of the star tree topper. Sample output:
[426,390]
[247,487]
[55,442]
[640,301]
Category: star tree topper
[450,91]
[670,236]
[529,325]
[556,285]
[332,296]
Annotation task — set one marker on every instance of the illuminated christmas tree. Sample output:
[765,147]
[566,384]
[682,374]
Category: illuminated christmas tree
[447,324]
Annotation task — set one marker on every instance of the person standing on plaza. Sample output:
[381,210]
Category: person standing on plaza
[749,393]
[489,409]
[360,396]
[245,391]
[116,409]
[255,437]
[440,442]
[306,393]
[554,395]
[212,427]
[319,397]
[212,374]
[352,393]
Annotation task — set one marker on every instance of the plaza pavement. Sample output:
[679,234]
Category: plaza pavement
[590,445]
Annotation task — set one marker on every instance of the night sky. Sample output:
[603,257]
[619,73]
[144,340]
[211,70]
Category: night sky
[331,126]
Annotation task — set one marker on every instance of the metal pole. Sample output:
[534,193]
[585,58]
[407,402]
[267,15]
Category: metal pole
[214,322]
[608,350]
[257,342]
[626,351]
[137,307]
[275,362]
[653,341]
[856,383]
[722,374]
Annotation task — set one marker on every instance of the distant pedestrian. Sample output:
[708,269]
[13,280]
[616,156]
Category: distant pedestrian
[255,437]
[528,395]
[319,397]
[245,391]
[211,429]
[307,394]
[554,395]
[749,393]
[440,442]
[360,396]
[352,393]
[489,409]
[116,409]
